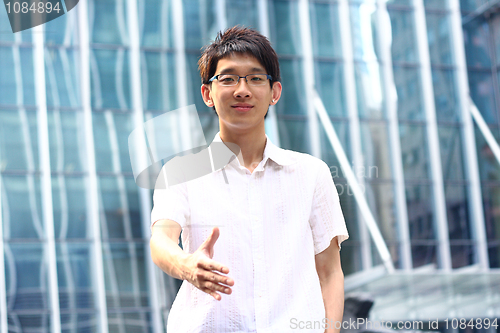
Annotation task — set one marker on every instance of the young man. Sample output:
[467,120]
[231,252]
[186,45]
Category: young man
[261,252]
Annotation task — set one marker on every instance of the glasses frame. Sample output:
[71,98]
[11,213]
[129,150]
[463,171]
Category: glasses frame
[216,77]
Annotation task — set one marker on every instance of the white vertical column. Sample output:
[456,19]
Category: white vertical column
[272,120]
[432,137]
[221,14]
[352,111]
[3,290]
[92,191]
[46,181]
[138,118]
[476,214]
[308,75]
[384,33]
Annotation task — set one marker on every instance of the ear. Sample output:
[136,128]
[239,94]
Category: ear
[206,94]
[276,93]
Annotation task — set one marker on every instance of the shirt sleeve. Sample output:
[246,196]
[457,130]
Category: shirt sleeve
[170,203]
[326,220]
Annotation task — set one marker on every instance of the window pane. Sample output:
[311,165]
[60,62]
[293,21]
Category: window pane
[292,98]
[369,90]
[489,168]
[450,144]
[159,88]
[445,95]
[438,35]
[285,32]
[414,151]
[110,86]
[61,78]
[200,23]
[404,47]
[108,21]
[375,150]
[294,135]
[22,208]
[69,207]
[325,30]
[327,153]
[18,140]
[330,86]
[363,31]
[242,12]
[156,23]
[476,37]
[119,208]
[483,93]
[408,86]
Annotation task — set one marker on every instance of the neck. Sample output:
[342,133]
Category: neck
[251,143]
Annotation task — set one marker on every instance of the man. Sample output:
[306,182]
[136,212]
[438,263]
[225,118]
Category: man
[261,252]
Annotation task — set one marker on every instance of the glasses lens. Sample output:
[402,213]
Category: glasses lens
[228,79]
[257,79]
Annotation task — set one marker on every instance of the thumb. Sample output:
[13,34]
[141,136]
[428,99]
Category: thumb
[209,243]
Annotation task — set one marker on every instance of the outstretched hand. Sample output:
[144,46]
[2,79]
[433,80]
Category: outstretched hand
[202,271]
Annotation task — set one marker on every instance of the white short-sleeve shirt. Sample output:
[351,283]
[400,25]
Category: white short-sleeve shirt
[272,222]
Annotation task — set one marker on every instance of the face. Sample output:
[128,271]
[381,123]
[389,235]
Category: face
[240,107]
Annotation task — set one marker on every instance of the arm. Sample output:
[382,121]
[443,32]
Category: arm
[331,279]
[198,268]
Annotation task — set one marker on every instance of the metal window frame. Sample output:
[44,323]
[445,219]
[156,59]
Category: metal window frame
[390,96]
[352,110]
[138,120]
[38,34]
[92,191]
[441,220]
[476,213]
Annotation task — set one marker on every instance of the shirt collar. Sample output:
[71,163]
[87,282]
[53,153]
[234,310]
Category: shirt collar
[271,151]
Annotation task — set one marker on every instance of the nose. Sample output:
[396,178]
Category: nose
[242,90]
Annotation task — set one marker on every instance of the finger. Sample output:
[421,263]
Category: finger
[209,243]
[217,278]
[212,293]
[213,265]
[217,287]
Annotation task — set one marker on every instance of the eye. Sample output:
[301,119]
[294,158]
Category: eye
[256,78]
[226,78]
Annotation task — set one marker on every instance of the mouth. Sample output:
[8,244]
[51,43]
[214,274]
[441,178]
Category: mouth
[242,107]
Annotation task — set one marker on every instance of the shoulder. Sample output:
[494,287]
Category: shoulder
[303,160]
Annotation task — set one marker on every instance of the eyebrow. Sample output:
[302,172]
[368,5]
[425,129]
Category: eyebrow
[232,70]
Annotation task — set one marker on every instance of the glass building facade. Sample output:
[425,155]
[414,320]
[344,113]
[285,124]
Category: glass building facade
[395,77]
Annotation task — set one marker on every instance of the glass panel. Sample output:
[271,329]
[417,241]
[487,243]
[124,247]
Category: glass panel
[194,85]
[111,131]
[327,153]
[130,322]
[125,276]
[461,255]
[26,283]
[119,208]
[67,141]
[8,88]
[110,86]
[491,205]
[108,21]
[200,23]
[17,72]
[330,86]
[410,99]
[445,95]
[457,212]
[79,322]
[435,4]
[156,23]
[489,168]
[22,207]
[74,276]
[399,2]
[483,94]
[477,41]
[292,98]
[69,207]
[369,90]
[494,255]
[495,26]
[471,5]
[363,31]
[18,140]
[242,12]
[285,32]
[62,31]
[404,47]
[438,35]
[159,83]
[450,144]
[61,78]
[420,211]
[375,150]
[294,135]
[414,151]
[325,30]
[380,197]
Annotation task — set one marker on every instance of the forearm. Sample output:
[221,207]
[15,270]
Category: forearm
[168,255]
[333,298]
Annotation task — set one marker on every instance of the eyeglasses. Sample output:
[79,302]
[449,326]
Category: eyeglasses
[228,80]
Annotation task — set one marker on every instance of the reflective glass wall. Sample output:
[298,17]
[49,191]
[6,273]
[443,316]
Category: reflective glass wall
[75,226]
